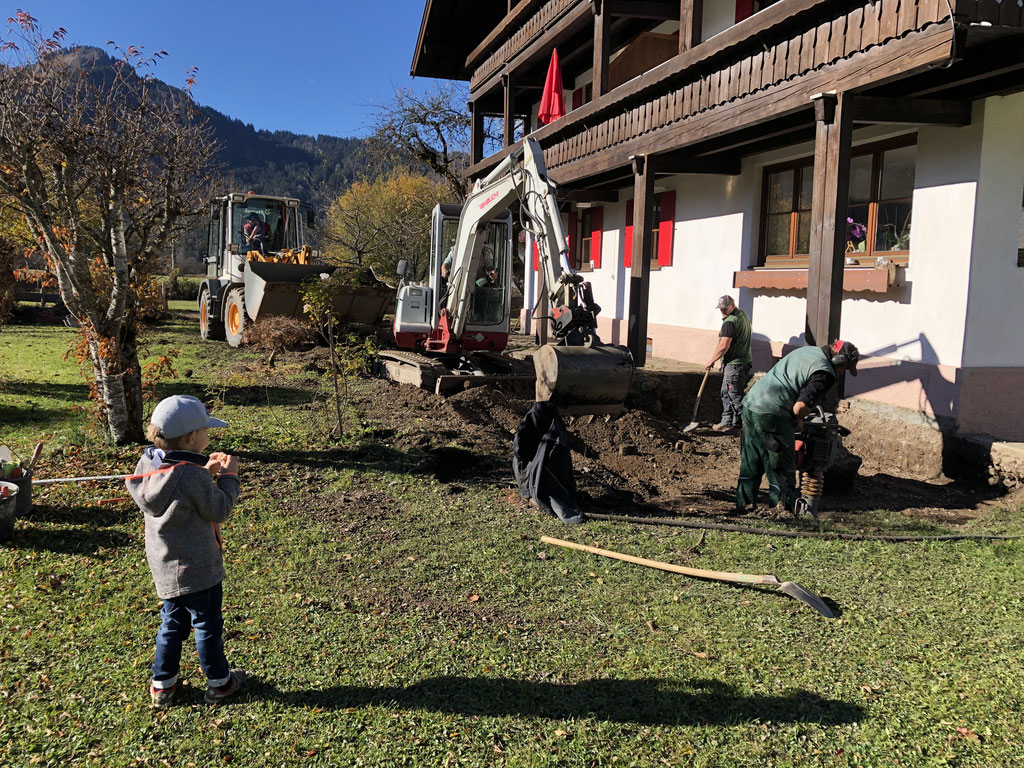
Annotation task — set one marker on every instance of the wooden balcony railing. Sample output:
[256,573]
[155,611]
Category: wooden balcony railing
[531,31]
[759,68]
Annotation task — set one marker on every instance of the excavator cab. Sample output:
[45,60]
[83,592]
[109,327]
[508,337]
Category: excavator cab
[420,301]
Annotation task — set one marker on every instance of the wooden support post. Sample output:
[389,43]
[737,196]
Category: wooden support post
[691,24]
[602,47]
[832,143]
[640,270]
[476,141]
[510,111]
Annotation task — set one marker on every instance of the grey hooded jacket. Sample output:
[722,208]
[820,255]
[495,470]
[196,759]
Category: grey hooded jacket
[182,507]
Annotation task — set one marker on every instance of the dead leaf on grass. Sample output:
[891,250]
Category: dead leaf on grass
[967,733]
[473,598]
[700,654]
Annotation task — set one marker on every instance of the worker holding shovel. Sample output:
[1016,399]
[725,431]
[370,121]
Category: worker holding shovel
[733,350]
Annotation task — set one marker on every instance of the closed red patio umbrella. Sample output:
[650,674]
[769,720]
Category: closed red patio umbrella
[552,102]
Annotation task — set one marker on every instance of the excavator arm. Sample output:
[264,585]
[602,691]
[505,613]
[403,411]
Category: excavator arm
[521,177]
[578,373]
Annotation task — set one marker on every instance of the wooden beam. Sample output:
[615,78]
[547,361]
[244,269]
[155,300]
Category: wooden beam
[896,111]
[602,47]
[476,139]
[509,112]
[671,164]
[640,269]
[658,10]
[592,195]
[832,149]
[691,24]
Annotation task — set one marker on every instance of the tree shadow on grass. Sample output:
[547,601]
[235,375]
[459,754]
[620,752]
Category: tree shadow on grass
[445,463]
[101,516]
[643,702]
[68,541]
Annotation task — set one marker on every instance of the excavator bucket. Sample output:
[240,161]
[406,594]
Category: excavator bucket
[276,289]
[584,380]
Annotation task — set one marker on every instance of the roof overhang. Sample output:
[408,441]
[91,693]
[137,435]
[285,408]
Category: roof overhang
[449,32]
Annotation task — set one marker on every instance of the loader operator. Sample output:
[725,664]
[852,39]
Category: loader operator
[255,231]
[773,411]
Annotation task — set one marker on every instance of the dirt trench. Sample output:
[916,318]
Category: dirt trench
[637,463]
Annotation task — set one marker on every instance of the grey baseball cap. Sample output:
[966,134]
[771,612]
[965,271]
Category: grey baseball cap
[178,415]
[725,301]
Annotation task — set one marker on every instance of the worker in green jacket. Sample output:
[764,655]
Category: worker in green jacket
[733,349]
[773,411]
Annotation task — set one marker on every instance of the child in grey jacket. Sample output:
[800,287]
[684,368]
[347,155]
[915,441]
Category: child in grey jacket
[184,496]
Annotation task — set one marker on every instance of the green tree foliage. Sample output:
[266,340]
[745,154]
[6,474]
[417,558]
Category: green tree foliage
[377,223]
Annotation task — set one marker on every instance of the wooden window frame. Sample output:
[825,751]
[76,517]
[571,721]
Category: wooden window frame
[800,261]
[793,260]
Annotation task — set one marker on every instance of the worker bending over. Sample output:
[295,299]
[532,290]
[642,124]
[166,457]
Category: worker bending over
[773,411]
[734,351]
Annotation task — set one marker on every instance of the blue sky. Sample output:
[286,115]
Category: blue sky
[320,64]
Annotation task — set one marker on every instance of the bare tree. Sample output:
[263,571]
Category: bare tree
[105,167]
[431,130]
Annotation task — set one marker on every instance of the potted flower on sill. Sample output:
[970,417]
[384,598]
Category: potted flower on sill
[856,236]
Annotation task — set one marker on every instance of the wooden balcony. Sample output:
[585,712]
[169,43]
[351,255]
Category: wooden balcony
[531,39]
[761,70]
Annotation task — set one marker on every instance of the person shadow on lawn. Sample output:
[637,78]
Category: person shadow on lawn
[645,701]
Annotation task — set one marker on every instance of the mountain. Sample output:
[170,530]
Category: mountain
[269,162]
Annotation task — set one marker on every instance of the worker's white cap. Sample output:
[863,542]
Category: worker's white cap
[178,415]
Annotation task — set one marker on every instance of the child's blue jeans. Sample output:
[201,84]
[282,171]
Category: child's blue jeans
[199,610]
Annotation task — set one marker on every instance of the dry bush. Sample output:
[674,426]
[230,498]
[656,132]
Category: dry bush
[270,334]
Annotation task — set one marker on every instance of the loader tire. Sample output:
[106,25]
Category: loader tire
[234,317]
[211,327]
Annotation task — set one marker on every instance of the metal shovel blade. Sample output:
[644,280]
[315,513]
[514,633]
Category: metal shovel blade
[690,427]
[806,597]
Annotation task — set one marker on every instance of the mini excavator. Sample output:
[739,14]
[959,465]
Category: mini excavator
[452,329]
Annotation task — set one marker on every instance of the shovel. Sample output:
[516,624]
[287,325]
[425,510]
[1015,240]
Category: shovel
[790,588]
[693,417]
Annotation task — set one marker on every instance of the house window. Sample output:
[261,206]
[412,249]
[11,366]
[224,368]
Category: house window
[586,225]
[655,228]
[878,214]
[881,197]
[786,219]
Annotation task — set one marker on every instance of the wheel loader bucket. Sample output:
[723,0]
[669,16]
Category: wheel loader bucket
[276,289]
[582,380]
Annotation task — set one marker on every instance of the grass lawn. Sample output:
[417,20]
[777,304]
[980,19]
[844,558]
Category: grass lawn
[392,619]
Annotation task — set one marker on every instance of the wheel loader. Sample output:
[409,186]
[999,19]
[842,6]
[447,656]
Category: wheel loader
[257,261]
[452,328]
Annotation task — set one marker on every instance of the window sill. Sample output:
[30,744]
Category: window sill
[855,279]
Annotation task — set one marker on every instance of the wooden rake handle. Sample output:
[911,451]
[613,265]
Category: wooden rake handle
[696,405]
[736,578]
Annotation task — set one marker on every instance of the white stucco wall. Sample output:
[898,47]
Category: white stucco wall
[924,320]
[928,319]
[995,305]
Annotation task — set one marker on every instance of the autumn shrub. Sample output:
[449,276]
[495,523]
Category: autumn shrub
[269,334]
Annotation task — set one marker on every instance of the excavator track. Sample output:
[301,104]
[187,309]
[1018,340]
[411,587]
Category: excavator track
[447,374]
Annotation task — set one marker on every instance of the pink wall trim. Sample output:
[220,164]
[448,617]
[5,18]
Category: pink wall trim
[979,399]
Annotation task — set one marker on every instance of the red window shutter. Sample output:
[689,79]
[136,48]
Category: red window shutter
[666,225]
[744,8]
[536,258]
[596,224]
[627,248]
[577,98]
[570,240]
